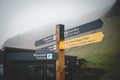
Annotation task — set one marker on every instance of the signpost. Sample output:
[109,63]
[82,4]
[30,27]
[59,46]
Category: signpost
[61,44]
[72,32]
[80,41]
[60,63]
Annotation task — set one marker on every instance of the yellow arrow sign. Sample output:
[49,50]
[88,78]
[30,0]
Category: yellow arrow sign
[84,40]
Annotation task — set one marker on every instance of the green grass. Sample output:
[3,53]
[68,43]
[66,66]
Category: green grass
[109,62]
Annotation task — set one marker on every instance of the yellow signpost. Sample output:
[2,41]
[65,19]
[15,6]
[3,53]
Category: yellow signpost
[80,41]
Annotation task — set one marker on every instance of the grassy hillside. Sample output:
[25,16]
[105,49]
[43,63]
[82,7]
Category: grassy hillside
[106,54]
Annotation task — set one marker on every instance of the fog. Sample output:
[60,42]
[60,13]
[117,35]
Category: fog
[30,20]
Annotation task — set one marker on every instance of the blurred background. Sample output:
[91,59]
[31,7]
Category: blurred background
[104,55]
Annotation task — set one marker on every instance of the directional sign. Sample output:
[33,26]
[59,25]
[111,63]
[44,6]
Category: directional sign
[72,32]
[48,39]
[51,48]
[31,56]
[84,40]
[83,28]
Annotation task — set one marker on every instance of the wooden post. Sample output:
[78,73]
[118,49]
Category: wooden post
[60,63]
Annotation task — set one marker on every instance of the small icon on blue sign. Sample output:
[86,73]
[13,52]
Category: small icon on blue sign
[49,56]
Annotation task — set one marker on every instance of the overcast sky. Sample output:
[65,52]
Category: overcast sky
[20,16]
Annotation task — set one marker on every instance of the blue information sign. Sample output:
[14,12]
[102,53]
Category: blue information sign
[31,56]
[72,32]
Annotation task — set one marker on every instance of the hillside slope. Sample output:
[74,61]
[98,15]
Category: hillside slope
[106,54]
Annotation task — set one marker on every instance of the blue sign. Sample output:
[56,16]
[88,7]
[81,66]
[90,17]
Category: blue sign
[72,32]
[49,56]
[31,56]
